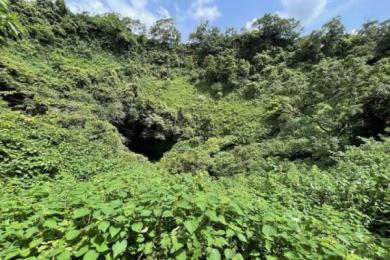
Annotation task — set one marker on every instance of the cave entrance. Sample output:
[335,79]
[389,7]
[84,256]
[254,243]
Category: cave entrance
[142,140]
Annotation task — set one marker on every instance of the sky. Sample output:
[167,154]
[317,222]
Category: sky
[240,13]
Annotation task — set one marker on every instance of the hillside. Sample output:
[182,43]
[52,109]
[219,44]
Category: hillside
[260,144]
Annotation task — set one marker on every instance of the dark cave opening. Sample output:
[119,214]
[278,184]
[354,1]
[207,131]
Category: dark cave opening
[140,139]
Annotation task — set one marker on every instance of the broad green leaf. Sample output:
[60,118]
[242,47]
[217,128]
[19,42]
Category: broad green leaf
[238,257]
[290,255]
[82,212]
[182,255]
[114,231]
[72,234]
[268,230]
[36,242]
[103,226]
[167,214]
[230,233]
[91,255]
[176,245]
[64,256]
[242,238]
[220,242]
[50,223]
[30,232]
[229,253]
[191,225]
[214,255]
[137,227]
[12,254]
[148,248]
[119,247]
[81,251]
[146,213]
[25,252]
[212,215]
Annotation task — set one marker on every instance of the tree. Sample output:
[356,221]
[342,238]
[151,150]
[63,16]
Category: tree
[226,69]
[164,31]
[9,24]
[268,32]
[208,40]
[309,48]
[61,7]
[334,38]
[135,26]
[112,31]
[383,44]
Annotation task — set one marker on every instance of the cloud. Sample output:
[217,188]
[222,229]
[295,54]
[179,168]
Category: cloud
[249,24]
[92,6]
[204,10]
[136,9]
[304,10]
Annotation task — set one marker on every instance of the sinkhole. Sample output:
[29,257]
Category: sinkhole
[147,140]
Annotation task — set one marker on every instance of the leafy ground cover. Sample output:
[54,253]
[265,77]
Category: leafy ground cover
[250,145]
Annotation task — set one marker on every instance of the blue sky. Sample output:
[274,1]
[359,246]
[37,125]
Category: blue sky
[239,13]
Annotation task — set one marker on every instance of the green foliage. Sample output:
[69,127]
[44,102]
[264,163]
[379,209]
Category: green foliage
[151,214]
[165,32]
[266,33]
[262,144]
[34,146]
[226,69]
[9,24]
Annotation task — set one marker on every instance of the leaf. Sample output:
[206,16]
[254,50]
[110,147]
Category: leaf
[50,223]
[30,232]
[146,213]
[176,245]
[238,257]
[182,255]
[242,238]
[103,226]
[91,255]
[137,227]
[230,233]
[64,256]
[191,225]
[229,253]
[220,242]
[35,242]
[290,255]
[79,213]
[72,235]
[148,248]
[81,251]
[268,230]
[119,247]
[214,255]
[157,212]
[212,215]
[12,254]
[167,214]
[114,231]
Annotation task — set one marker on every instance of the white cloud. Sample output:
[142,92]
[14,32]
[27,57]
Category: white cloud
[136,9]
[92,6]
[204,10]
[249,24]
[304,10]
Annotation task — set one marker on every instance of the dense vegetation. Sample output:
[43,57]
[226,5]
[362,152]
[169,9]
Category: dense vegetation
[121,142]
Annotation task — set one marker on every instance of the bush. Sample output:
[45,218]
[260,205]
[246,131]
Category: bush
[148,214]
